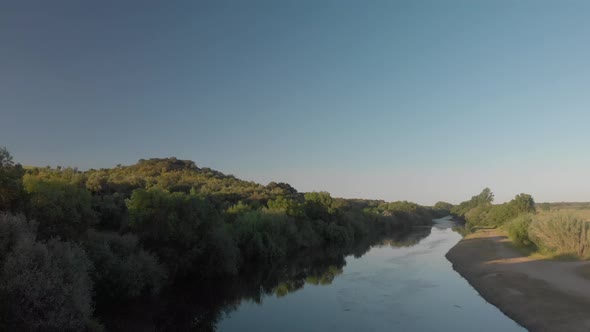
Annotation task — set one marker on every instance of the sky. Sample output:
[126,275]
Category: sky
[395,100]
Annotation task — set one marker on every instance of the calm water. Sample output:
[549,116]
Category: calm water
[389,288]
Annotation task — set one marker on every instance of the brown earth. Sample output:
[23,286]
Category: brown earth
[539,294]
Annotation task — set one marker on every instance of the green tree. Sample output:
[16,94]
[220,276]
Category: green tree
[318,205]
[62,209]
[182,229]
[485,197]
[523,203]
[11,194]
[44,286]
[122,269]
[291,207]
[443,206]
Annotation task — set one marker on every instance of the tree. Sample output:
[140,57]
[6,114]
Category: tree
[62,209]
[122,269]
[44,286]
[443,206]
[291,207]
[11,194]
[183,230]
[486,197]
[318,205]
[523,203]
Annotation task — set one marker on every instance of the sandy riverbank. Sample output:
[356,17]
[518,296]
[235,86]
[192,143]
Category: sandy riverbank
[541,295]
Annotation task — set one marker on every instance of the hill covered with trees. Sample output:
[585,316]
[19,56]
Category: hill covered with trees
[73,242]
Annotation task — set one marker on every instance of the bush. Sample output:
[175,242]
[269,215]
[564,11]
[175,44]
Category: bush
[477,215]
[518,230]
[46,286]
[264,235]
[13,229]
[561,234]
[338,235]
[175,226]
[222,255]
[11,193]
[62,209]
[122,270]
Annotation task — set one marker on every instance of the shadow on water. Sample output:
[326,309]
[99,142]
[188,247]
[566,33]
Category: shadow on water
[199,306]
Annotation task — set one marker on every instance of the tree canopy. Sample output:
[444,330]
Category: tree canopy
[126,232]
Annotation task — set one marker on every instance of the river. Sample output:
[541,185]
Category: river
[395,286]
[401,282]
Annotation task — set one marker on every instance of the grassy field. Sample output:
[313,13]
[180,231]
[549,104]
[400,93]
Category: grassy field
[583,214]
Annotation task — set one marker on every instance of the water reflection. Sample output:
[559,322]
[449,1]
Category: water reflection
[200,306]
[401,282]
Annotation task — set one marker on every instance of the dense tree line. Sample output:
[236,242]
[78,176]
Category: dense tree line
[190,306]
[479,210]
[88,238]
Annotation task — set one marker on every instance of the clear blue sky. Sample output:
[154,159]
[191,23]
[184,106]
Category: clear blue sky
[416,100]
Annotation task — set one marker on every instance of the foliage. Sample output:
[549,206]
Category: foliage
[64,208]
[561,234]
[122,270]
[485,198]
[11,193]
[158,215]
[318,205]
[110,210]
[518,230]
[43,285]
[479,210]
[14,229]
[443,206]
[179,228]
[237,210]
[290,207]
[126,231]
[264,235]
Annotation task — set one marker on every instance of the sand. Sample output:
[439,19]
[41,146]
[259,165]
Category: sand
[541,295]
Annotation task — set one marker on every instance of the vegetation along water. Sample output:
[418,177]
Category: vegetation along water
[166,245]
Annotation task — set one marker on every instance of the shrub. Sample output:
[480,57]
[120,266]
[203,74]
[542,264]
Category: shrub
[11,193]
[476,216]
[264,235]
[62,209]
[13,229]
[237,210]
[338,235]
[46,286]
[175,226]
[222,255]
[518,230]
[562,234]
[122,270]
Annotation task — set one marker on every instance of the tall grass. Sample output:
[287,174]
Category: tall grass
[561,234]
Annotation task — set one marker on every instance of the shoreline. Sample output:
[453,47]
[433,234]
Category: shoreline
[540,295]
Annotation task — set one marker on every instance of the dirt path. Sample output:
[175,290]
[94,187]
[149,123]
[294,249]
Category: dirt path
[540,295]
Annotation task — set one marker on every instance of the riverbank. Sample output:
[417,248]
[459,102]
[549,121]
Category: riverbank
[541,295]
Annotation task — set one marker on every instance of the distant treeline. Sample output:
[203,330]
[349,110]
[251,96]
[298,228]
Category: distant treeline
[480,211]
[563,206]
[74,241]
